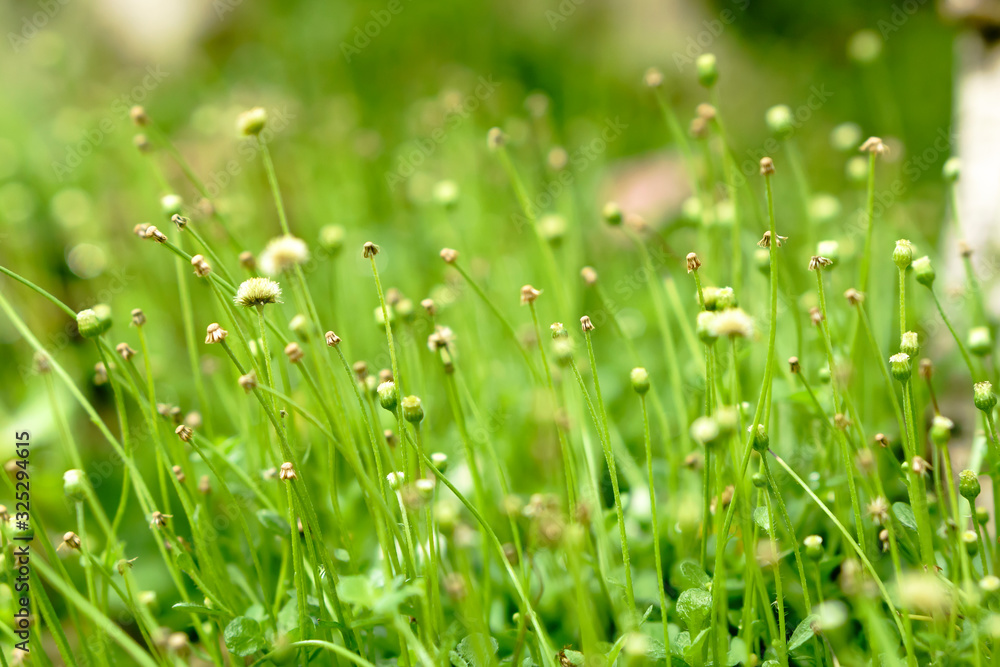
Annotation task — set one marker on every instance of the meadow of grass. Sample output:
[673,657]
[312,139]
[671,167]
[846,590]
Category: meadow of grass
[529,426]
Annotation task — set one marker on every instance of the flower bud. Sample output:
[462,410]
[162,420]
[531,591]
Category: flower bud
[814,547]
[760,441]
[704,326]
[640,380]
[251,122]
[413,410]
[941,429]
[829,249]
[923,271]
[388,396]
[708,71]
[971,542]
[780,121]
[91,323]
[902,254]
[952,169]
[980,341]
[910,344]
[705,431]
[74,484]
[171,205]
[612,214]
[758,480]
[899,365]
[984,397]
[968,485]
[440,461]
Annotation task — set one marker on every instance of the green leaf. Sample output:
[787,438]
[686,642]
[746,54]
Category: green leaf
[192,608]
[760,518]
[244,637]
[694,606]
[472,651]
[803,633]
[273,522]
[689,574]
[904,513]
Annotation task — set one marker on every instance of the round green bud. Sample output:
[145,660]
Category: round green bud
[562,350]
[380,316]
[980,341]
[845,137]
[388,396]
[171,205]
[902,254]
[814,547]
[969,486]
[923,271]
[612,213]
[405,309]
[941,429]
[971,542]
[711,298]
[983,396]
[759,481]
[780,121]
[990,583]
[829,249]
[331,238]
[20,530]
[691,210]
[762,260]
[952,169]
[440,461]
[864,46]
[90,322]
[552,228]
[640,380]
[251,122]
[446,193]
[856,169]
[909,343]
[825,207]
[704,326]
[299,325]
[982,516]
[396,479]
[75,484]
[899,365]
[371,385]
[760,441]
[413,409]
[824,374]
[705,431]
[708,71]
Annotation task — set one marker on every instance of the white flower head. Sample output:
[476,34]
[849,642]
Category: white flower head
[283,253]
[257,292]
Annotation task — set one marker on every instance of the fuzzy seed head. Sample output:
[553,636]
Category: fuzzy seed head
[814,546]
[138,115]
[529,295]
[396,479]
[250,123]
[442,339]
[287,472]
[215,333]
[878,510]
[732,322]
[704,325]
[283,254]
[257,292]
[693,263]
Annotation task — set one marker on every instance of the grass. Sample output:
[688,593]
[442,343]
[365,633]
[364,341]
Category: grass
[377,457]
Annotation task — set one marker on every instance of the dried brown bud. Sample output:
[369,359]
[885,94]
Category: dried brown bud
[529,295]
[874,145]
[449,255]
[140,229]
[287,472]
[793,365]
[964,249]
[179,220]
[926,368]
[817,262]
[332,339]
[179,474]
[138,317]
[248,381]
[294,352]
[360,370]
[853,296]
[185,433]
[215,333]
[369,249]
[766,166]
[201,267]
[586,324]
[71,540]
[153,233]
[159,519]
[816,315]
[589,275]
[429,306]
[882,440]
[205,485]
[693,263]
[124,351]
[138,115]
[248,261]
[765,242]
